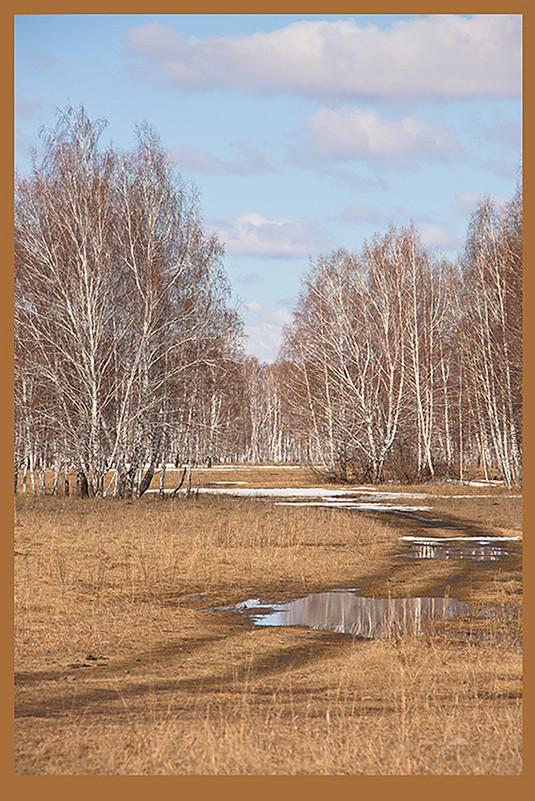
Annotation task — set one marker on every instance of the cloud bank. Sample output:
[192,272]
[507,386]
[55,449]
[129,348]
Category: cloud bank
[438,56]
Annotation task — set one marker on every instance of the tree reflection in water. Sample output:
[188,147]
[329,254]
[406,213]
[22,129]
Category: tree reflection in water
[345,612]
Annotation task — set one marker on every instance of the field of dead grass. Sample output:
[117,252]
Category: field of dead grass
[120,668]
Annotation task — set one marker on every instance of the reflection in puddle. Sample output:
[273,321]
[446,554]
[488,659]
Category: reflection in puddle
[344,611]
[479,550]
[476,553]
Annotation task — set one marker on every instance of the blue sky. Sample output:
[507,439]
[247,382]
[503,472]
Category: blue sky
[302,133]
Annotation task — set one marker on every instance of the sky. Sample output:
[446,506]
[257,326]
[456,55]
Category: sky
[302,133]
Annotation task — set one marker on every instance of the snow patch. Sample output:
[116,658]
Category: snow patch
[277,492]
[228,482]
[364,507]
[439,540]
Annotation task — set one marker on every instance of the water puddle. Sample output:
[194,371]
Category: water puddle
[344,611]
[489,549]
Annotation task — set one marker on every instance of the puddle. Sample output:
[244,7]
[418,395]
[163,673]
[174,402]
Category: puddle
[489,549]
[344,611]
[476,553]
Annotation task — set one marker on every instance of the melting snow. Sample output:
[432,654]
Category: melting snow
[279,492]
[426,540]
[228,482]
[365,507]
[490,483]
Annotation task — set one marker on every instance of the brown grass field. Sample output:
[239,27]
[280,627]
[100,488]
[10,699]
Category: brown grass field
[123,666]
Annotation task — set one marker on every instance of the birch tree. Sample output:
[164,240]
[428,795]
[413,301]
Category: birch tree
[426,322]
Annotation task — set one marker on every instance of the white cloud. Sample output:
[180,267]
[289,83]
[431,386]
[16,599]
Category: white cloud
[440,55]
[351,133]
[263,328]
[253,306]
[252,234]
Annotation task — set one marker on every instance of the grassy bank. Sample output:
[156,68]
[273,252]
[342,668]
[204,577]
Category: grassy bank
[120,669]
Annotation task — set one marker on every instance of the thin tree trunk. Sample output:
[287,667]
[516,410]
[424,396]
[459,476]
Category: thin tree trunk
[177,489]
[161,485]
[57,470]
[32,473]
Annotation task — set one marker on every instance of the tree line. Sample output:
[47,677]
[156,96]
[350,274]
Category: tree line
[406,365]
[129,352]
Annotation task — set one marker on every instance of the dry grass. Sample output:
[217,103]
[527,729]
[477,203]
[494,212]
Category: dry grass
[121,670]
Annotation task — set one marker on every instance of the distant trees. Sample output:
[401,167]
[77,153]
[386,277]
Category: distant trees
[121,301]
[268,426]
